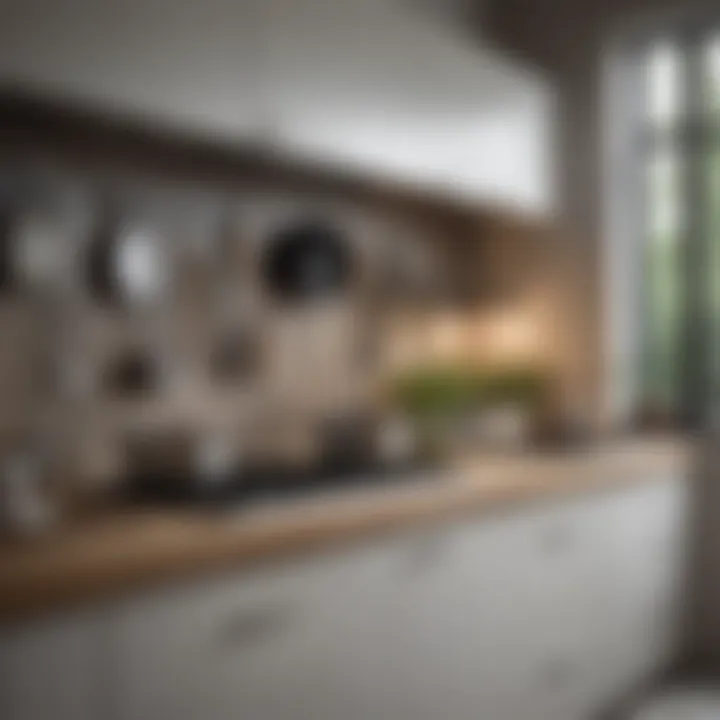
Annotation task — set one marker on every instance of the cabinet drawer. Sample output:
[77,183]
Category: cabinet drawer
[301,640]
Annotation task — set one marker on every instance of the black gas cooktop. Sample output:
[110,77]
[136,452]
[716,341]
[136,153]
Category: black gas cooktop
[261,483]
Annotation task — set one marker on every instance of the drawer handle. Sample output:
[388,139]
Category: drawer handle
[252,625]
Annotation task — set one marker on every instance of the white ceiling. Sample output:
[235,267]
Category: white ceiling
[367,83]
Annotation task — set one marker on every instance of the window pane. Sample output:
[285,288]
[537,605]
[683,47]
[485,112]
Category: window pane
[713,266]
[663,279]
[712,74]
[664,88]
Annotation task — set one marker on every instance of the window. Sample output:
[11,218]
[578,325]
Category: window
[680,141]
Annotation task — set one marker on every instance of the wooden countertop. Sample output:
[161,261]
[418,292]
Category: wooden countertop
[104,558]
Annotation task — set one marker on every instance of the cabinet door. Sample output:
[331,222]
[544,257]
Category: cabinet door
[305,640]
[494,622]
[465,623]
[54,670]
[608,600]
[552,611]
[642,564]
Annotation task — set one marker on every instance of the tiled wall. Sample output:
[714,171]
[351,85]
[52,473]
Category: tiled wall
[431,280]
[58,342]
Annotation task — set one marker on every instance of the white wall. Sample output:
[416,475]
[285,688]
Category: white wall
[369,83]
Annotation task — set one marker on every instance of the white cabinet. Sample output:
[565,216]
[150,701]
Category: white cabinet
[608,614]
[301,641]
[371,85]
[55,670]
[552,611]
[547,613]
[427,106]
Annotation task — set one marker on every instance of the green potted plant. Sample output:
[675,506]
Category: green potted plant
[453,404]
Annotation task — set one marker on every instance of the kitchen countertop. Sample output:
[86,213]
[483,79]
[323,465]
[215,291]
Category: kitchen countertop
[126,550]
